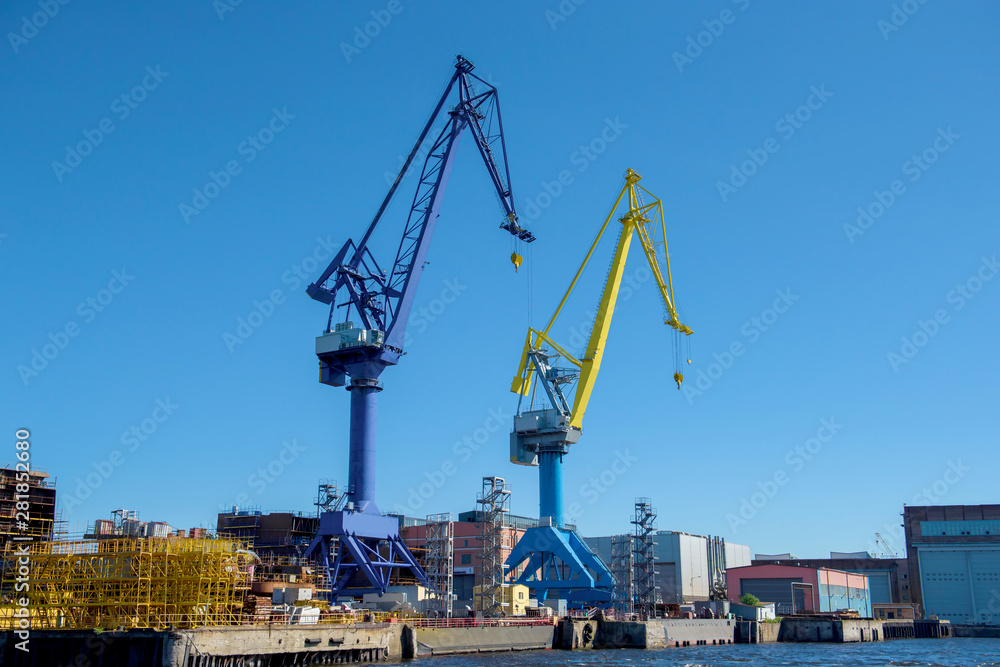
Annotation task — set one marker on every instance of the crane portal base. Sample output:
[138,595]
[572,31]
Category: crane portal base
[556,560]
[369,552]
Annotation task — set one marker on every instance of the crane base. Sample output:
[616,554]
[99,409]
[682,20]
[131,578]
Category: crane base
[369,553]
[556,560]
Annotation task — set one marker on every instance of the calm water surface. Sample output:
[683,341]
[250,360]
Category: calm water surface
[902,653]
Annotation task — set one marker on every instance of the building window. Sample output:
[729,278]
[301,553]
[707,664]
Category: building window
[466,543]
[520,596]
[466,559]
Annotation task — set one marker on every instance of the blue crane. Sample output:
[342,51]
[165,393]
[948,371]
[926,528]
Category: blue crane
[360,549]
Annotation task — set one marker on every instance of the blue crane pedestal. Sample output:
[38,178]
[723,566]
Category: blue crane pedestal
[369,550]
[555,559]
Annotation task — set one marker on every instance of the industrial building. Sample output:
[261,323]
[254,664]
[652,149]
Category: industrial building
[278,539]
[126,523]
[796,589]
[953,553]
[41,496]
[468,547]
[681,562]
[888,578]
[274,536]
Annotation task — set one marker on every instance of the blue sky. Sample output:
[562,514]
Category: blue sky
[762,127]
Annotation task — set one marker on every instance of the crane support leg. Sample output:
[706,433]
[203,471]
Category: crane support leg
[361,466]
[550,487]
[366,547]
[557,561]
[369,553]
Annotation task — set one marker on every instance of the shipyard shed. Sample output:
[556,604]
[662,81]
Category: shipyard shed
[796,589]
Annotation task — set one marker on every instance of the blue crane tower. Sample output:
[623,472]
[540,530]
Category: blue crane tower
[360,549]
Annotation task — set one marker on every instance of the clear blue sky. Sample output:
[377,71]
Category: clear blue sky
[156,331]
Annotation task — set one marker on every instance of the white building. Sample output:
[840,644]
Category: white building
[681,562]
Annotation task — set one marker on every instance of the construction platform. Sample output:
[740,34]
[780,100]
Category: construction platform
[124,583]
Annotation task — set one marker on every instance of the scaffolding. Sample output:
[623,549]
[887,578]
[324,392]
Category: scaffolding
[126,583]
[717,590]
[38,490]
[329,498]
[440,563]
[494,498]
[644,521]
[622,569]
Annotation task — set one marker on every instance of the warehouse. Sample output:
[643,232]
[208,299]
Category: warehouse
[954,560]
[681,562]
[796,589]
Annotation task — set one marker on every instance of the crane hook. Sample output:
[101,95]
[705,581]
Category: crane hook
[678,378]
[516,260]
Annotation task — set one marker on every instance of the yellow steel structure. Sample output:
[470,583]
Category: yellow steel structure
[131,583]
[640,220]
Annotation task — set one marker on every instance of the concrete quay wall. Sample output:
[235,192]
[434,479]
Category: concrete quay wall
[210,647]
[653,634]
[440,641]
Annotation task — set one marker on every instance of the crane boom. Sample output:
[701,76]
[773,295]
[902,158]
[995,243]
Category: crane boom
[381,301]
[636,219]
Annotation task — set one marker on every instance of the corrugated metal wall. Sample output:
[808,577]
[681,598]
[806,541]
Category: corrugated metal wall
[961,585]
[773,590]
[880,585]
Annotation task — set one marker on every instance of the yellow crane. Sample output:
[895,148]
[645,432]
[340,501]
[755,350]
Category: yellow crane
[556,557]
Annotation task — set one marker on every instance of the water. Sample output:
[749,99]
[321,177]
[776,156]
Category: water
[897,653]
